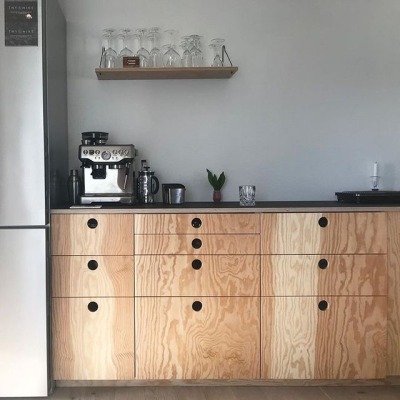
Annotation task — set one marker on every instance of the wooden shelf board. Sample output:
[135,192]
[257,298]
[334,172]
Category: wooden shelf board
[165,73]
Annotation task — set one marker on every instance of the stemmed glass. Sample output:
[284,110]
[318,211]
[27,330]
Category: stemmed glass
[197,55]
[110,55]
[142,53]
[126,51]
[216,45]
[155,56]
[171,57]
[186,56]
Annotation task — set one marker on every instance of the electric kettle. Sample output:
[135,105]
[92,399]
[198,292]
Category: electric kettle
[147,184]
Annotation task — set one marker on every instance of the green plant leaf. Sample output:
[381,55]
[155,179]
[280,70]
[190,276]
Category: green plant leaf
[215,182]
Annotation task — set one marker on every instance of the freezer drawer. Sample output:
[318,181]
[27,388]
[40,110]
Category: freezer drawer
[23,313]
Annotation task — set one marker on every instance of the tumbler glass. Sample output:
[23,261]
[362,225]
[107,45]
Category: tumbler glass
[247,195]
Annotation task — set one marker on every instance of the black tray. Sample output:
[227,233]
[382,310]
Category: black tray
[369,197]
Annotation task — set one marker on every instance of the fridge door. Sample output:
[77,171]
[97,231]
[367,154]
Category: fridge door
[22,141]
[23,313]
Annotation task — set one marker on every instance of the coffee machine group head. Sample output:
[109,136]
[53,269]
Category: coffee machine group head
[108,170]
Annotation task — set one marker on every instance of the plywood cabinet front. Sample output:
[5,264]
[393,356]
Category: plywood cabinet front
[93,296]
[323,337]
[93,338]
[324,233]
[324,296]
[197,338]
[215,335]
[92,234]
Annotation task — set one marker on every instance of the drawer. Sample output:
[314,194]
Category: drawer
[183,275]
[324,233]
[201,244]
[312,275]
[93,338]
[92,234]
[85,276]
[342,337]
[196,223]
[198,338]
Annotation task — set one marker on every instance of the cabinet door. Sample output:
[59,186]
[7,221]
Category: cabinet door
[327,233]
[184,275]
[197,223]
[301,339]
[201,244]
[92,276]
[203,338]
[93,338]
[328,275]
[92,234]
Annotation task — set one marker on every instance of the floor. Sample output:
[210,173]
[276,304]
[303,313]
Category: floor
[225,393]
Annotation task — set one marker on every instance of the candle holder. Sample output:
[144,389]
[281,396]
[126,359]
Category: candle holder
[375,182]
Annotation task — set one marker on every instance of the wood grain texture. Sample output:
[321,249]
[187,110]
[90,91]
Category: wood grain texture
[347,341]
[72,277]
[210,223]
[393,365]
[174,275]
[211,244]
[70,234]
[346,233]
[300,275]
[219,342]
[93,345]
[288,337]
[351,338]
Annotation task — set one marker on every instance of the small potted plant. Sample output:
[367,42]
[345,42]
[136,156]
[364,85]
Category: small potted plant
[216,183]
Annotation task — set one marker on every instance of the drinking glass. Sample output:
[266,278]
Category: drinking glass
[247,195]
[171,57]
[109,57]
[142,53]
[216,45]
[197,55]
[126,51]
[186,55]
[155,56]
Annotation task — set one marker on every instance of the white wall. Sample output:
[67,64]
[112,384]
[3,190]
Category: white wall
[315,102]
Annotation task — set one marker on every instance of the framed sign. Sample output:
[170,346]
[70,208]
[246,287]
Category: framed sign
[21,22]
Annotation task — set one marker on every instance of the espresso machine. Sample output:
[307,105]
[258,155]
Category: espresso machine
[108,170]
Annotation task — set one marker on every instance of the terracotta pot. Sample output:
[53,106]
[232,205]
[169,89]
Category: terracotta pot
[217,196]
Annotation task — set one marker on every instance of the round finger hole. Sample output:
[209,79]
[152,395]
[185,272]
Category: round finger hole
[92,223]
[196,264]
[196,243]
[323,263]
[93,306]
[323,305]
[92,265]
[196,223]
[323,222]
[197,306]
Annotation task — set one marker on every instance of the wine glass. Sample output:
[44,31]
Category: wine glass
[197,55]
[155,56]
[110,55]
[216,45]
[126,51]
[186,55]
[142,53]
[171,57]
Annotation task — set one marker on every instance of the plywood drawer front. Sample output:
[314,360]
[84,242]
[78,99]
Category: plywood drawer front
[98,276]
[92,234]
[347,340]
[220,341]
[183,275]
[312,275]
[201,244]
[91,345]
[327,233]
[196,223]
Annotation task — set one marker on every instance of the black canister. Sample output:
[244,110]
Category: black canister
[74,187]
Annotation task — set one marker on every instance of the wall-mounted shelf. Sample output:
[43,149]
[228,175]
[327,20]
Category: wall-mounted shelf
[165,73]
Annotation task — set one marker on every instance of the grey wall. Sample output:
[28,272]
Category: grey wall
[315,102]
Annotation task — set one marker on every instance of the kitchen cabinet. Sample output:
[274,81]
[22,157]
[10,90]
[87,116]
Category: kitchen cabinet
[92,296]
[324,296]
[204,319]
[225,295]
[165,73]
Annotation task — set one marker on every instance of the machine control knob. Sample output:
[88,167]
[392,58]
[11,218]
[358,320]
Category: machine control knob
[106,155]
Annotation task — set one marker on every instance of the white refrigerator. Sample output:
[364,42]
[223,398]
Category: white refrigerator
[33,143]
